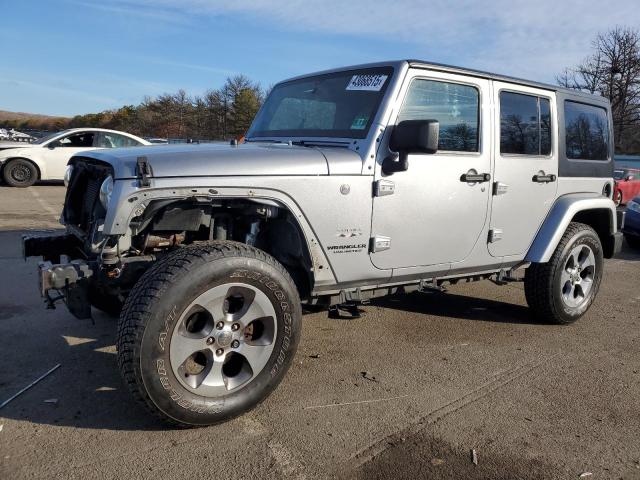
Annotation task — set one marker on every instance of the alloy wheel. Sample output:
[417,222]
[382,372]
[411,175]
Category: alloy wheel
[223,339]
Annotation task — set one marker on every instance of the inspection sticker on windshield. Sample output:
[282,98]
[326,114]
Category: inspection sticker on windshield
[371,83]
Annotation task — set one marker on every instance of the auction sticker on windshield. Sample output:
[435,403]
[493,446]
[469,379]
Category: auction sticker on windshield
[372,83]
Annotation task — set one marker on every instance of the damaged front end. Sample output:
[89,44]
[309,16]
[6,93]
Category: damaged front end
[60,281]
[80,265]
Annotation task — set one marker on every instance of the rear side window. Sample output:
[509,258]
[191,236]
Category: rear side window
[114,140]
[587,131]
[455,106]
[525,124]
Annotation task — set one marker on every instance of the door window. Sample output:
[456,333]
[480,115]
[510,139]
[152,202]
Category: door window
[454,106]
[587,131]
[115,140]
[525,124]
[77,140]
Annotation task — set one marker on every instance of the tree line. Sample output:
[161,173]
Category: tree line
[613,71]
[218,114]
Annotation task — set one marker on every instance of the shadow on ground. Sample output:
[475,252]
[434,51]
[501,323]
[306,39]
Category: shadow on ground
[85,392]
[451,305]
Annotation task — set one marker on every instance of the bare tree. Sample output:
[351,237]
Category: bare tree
[613,70]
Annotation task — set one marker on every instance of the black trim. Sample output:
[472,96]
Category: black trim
[582,168]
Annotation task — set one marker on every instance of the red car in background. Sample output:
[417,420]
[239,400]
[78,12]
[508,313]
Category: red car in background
[627,184]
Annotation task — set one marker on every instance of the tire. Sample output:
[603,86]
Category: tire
[634,242]
[164,321]
[617,197]
[559,292]
[20,173]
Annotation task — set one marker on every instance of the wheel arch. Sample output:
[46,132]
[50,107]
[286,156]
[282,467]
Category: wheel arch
[596,211]
[292,241]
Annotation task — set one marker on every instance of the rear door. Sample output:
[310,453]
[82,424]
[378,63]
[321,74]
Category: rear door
[526,166]
[430,213]
[115,140]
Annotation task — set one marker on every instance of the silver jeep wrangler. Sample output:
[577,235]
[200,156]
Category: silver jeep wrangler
[352,183]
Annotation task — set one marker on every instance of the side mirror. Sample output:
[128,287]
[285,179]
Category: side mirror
[411,136]
[51,146]
[629,177]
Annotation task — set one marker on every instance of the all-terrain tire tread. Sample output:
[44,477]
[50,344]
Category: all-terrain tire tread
[154,282]
[538,280]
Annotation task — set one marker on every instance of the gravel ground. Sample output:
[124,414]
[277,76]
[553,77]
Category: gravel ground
[407,391]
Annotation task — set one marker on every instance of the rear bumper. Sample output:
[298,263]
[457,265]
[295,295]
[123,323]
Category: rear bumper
[612,243]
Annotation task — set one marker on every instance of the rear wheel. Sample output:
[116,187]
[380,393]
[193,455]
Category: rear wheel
[617,198]
[208,332]
[564,288]
[20,173]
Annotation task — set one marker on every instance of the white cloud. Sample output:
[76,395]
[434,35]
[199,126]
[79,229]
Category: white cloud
[535,39]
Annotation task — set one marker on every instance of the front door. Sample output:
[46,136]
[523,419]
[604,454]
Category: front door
[435,215]
[58,153]
[526,166]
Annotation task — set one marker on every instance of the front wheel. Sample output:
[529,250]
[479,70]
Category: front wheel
[563,289]
[20,173]
[208,332]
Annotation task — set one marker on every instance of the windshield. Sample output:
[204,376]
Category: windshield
[341,104]
[40,141]
[618,174]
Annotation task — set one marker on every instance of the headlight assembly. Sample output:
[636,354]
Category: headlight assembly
[106,189]
[67,175]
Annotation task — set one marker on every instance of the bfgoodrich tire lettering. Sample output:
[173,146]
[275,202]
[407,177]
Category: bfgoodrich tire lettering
[158,302]
[550,288]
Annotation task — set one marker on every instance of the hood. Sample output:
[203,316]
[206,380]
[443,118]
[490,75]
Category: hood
[218,160]
[12,145]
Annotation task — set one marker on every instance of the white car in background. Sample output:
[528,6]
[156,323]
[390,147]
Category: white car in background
[46,158]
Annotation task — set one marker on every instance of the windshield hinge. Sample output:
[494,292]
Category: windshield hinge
[143,172]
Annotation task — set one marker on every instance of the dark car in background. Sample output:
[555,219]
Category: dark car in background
[631,227]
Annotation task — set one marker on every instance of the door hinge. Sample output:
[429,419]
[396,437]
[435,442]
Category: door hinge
[495,234]
[143,172]
[500,188]
[379,244]
[382,188]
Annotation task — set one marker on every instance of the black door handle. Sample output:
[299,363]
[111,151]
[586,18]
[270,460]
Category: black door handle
[544,178]
[475,177]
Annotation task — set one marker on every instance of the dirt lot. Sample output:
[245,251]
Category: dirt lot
[443,374]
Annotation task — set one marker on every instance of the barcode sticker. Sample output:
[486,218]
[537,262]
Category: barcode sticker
[371,83]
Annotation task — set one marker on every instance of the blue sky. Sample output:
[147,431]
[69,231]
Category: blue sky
[77,56]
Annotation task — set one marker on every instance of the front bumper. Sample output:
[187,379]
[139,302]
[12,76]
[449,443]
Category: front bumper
[70,282]
[61,281]
[50,246]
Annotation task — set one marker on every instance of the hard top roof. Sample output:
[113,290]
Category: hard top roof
[463,71]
